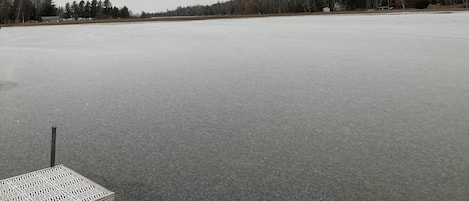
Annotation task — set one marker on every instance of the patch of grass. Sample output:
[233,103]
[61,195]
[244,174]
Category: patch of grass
[444,7]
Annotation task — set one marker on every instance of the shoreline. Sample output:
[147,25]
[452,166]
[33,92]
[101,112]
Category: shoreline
[212,17]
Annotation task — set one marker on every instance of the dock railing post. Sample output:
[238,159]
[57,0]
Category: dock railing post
[52,151]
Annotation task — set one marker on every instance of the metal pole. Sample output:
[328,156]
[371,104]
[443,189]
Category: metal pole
[52,151]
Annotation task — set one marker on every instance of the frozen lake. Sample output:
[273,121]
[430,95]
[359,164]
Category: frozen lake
[342,107]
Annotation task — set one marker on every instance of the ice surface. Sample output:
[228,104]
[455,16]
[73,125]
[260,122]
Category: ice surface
[342,107]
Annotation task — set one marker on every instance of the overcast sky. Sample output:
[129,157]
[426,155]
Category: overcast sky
[137,6]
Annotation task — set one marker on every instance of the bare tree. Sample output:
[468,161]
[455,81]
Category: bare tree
[368,4]
[5,6]
[306,4]
[451,2]
[20,12]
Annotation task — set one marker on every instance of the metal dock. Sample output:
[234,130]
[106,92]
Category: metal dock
[57,183]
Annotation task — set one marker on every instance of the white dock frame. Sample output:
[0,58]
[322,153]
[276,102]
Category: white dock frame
[57,183]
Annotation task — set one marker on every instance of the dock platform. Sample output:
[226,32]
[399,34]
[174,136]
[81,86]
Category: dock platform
[57,183]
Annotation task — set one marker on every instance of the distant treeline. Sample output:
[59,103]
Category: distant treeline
[94,9]
[234,7]
[34,10]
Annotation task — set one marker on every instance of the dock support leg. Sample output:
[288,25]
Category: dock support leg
[52,151]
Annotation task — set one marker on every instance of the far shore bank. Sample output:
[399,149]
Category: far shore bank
[193,18]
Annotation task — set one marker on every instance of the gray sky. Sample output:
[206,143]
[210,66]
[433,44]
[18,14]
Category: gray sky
[137,6]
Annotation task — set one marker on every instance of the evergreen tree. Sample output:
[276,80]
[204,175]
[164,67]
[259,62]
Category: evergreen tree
[94,9]
[124,12]
[115,12]
[81,8]
[99,10]
[75,10]
[87,10]
[48,8]
[145,15]
[107,8]
[67,11]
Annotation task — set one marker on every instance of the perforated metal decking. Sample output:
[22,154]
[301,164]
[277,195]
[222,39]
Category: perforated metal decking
[58,183]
